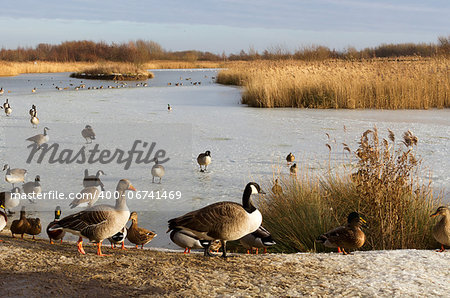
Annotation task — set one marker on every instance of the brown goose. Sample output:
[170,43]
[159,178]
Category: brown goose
[349,236]
[98,222]
[441,231]
[204,159]
[88,134]
[138,235]
[224,221]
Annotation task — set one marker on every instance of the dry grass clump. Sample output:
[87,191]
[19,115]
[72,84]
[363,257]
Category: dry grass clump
[385,188]
[115,71]
[378,83]
[15,68]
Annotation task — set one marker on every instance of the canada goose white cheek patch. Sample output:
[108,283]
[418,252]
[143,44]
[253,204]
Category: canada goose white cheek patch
[254,190]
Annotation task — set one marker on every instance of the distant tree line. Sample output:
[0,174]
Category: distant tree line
[141,51]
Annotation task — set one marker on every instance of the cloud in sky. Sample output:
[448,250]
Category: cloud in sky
[237,23]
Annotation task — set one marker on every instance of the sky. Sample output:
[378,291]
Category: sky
[225,26]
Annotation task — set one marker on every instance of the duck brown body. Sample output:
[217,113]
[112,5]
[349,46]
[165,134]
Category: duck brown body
[138,235]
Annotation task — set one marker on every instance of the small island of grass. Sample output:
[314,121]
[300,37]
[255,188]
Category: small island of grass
[119,72]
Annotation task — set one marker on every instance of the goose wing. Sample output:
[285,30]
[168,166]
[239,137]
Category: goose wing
[87,195]
[261,232]
[210,219]
[36,138]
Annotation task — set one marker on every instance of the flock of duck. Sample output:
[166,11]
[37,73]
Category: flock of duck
[208,228]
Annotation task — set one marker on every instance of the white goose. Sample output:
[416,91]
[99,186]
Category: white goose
[14,175]
[98,222]
[40,139]
[224,221]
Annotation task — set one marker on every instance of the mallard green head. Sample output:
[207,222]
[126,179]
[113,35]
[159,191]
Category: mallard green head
[355,218]
[57,213]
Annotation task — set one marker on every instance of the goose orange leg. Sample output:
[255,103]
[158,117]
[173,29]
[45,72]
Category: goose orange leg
[442,248]
[123,246]
[265,250]
[51,241]
[339,250]
[80,246]
[99,250]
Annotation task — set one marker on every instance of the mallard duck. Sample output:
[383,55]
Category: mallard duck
[204,159]
[349,236]
[187,240]
[118,238]
[137,235]
[157,171]
[290,158]
[40,139]
[14,175]
[91,180]
[276,188]
[98,222]
[24,225]
[260,238]
[294,169]
[224,221]
[86,197]
[441,231]
[56,234]
[88,134]
[10,199]
[3,218]
[31,189]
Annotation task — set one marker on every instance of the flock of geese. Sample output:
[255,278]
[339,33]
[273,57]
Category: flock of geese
[208,228]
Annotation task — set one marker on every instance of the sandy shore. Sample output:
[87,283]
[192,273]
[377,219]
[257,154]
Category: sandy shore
[36,268]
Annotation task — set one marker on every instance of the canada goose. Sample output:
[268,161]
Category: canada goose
[88,134]
[57,234]
[349,236]
[204,159]
[10,199]
[224,221]
[32,188]
[14,175]
[32,111]
[86,197]
[294,169]
[169,108]
[40,138]
[187,240]
[260,238]
[98,222]
[276,188]
[157,171]
[3,218]
[6,104]
[34,119]
[290,158]
[8,111]
[118,238]
[91,180]
[441,231]
[24,225]
[2,91]
[137,235]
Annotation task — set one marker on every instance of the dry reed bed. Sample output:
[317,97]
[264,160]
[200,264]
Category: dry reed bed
[379,84]
[383,183]
[111,71]
[15,68]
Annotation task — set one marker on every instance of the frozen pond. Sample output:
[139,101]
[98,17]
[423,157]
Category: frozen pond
[246,144]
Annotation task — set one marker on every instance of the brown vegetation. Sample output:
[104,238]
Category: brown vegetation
[376,83]
[121,72]
[384,187]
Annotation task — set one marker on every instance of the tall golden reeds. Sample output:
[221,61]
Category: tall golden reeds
[384,187]
[374,84]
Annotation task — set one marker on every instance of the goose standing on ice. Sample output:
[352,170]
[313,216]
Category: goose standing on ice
[88,134]
[32,111]
[14,175]
[188,241]
[157,171]
[57,234]
[224,221]
[204,159]
[31,189]
[441,231]
[349,236]
[260,238]
[34,119]
[91,180]
[98,222]
[40,139]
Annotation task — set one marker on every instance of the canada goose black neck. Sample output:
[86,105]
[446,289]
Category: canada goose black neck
[246,199]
